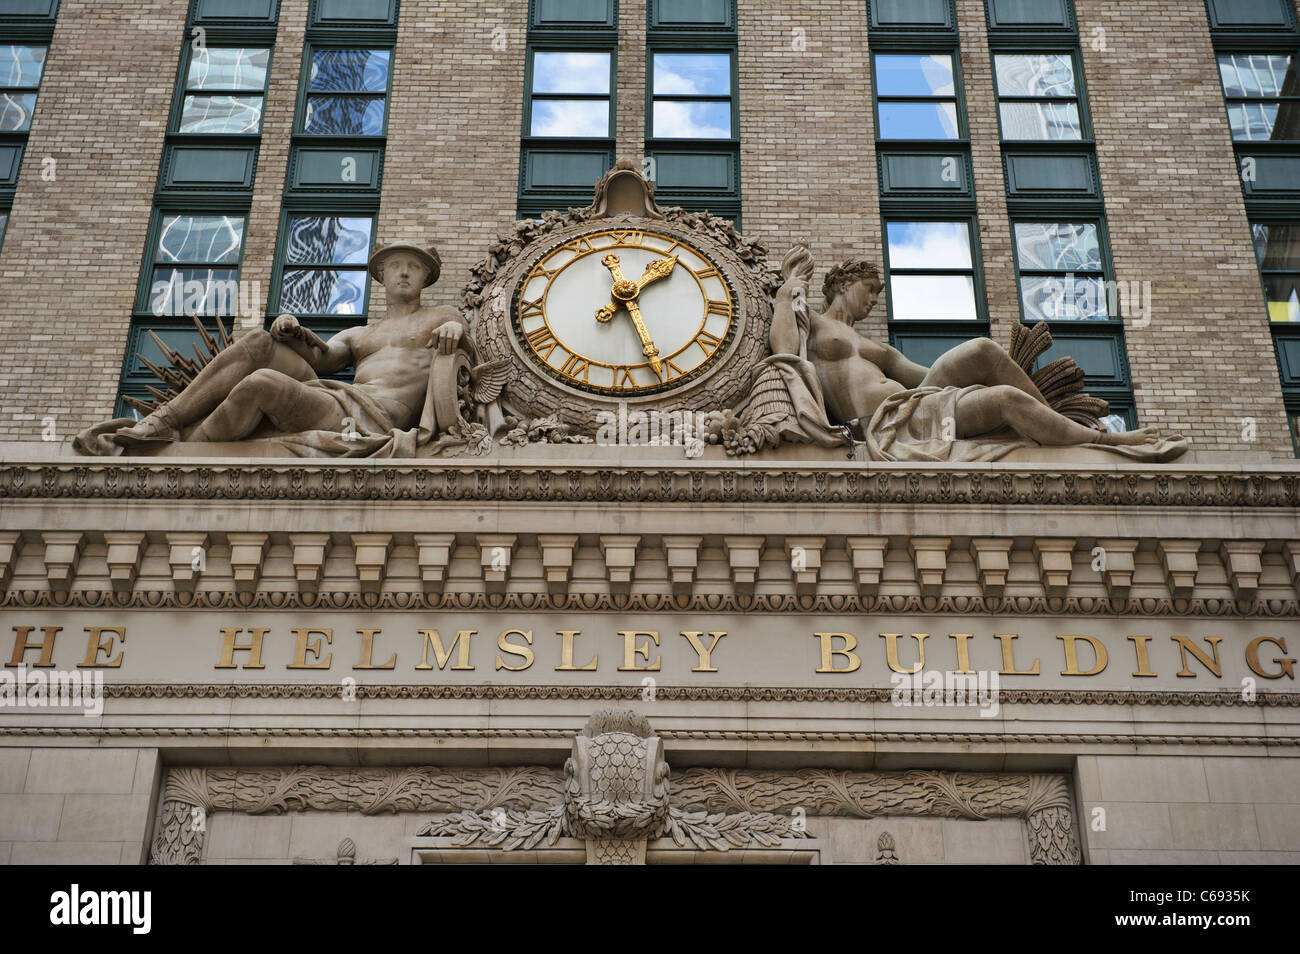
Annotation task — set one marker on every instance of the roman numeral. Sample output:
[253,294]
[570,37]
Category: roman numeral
[672,369]
[623,377]
[579,245]
[629,238]
[575,366]
[542,341]
[530,309]
[708,342]
[718,308]
[708,273]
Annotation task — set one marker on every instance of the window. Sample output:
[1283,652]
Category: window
[325,265]
[1233,16]
[1037,96]
[347,93]
[916,96]
[20,79]
[1262,93]
[922,14]
[691,96]
[1030,14]
[692,112]
[931,271]
[1061,272]
[224,91]
[190,293]
[570,94]
[4,226]
[1277,248]
[195,265]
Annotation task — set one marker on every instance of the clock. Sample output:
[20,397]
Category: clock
[624,312]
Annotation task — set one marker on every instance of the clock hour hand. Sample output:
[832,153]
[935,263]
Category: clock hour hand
[659,268]
[625,293]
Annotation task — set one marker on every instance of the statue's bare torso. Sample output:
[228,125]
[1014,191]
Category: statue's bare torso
[848,369]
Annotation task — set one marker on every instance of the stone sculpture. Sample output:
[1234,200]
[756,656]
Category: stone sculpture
[826,383]
[413,382]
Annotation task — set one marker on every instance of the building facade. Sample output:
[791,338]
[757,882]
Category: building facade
[833,652]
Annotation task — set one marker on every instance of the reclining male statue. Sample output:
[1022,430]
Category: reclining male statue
[273,376]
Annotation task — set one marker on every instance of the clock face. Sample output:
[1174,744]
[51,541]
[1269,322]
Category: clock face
[624,312]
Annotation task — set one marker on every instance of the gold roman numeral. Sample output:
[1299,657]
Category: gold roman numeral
[708,342]
[718,308]
[543,342]
[672,370]
[576,365]
[623,377]
[579,245]
[530,309]
[632,237]
[708,273]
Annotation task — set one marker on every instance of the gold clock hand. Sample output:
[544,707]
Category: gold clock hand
[649,349]
[659,268]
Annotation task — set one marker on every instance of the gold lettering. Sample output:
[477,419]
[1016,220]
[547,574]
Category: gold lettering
[567,637]
[368,650]
[963,654]
[97,644]
[704,654]
[1009,657]
[303,647]
[891,651]
[46,646]
[1144,662]
[1186,646]
[229,646]
[631,650]
[1252,658]
[523,652]
[829,653]
[431,638]
[1072,655]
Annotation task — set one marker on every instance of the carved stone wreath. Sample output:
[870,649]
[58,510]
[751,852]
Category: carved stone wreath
[489,300]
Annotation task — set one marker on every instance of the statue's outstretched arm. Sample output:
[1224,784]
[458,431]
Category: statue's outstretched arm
[897,366]
[337,354]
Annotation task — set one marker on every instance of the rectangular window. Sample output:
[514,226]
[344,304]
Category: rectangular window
[1061,272]
[1251,14]
[1262,92]
[693,14]
[195,265]
[1038,97]
[1277,249]
[916,96]
[347,93]
[325,258]
[21,66]
[692,96]
[1030,13]
[571,13]
[931,271]
[225,89]
[924,14]
[571,94]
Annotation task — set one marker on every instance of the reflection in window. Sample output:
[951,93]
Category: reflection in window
[1061,277]
[916,96]
[1277,249]
[570,94]
[21,67]
[325,265]
[1037,96]
[692,96]
[347,93]
[223,91]
[1263,96]
[196,265]
[931,272]
[4,227]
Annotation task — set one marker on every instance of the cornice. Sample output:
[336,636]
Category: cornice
[827,483]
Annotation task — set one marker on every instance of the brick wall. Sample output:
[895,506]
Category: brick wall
[1177,219]
[71,261]
[1175,213]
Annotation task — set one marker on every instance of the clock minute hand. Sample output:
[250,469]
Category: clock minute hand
[649,349]
[659,268]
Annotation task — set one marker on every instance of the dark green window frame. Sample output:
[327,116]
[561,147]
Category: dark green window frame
[1079,99]
[1267,202]
[942,48]
[304,93]
[330,16]
[1003,18]
[538,10]
[705,173]
[1250,31]
[204,190]
[183,90]
[890,17]
[556,172]
[27,24]
[924,339]
[323,208]
[1263,101]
